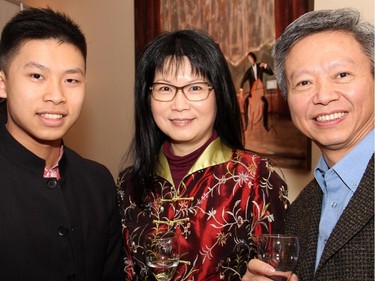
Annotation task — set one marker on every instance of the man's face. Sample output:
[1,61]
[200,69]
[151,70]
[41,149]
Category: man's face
[251,60]
[330,90]
[44,87]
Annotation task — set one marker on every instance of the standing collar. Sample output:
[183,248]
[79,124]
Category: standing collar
[215,153]
[15,152]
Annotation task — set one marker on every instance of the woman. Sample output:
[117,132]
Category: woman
[190,173]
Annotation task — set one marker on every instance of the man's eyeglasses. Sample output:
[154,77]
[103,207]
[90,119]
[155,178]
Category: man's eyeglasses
[193,92]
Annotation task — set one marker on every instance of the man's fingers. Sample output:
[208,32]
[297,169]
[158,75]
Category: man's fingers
[259,267]
[257,270]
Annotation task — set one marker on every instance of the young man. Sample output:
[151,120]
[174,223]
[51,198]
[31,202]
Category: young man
[324,64]
[59,217]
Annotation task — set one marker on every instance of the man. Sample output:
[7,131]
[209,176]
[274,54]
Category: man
[255,71]
[260,106]
[324,64]
[59,216]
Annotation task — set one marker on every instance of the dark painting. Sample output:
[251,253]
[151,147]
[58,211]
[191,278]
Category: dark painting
[240,27]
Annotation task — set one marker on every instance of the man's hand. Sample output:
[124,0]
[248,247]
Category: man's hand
[258,270]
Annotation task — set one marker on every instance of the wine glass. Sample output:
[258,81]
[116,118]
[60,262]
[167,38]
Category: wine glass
[162,253]
[280,251]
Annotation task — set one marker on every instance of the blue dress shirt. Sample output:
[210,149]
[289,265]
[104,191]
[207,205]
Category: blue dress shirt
[338,184]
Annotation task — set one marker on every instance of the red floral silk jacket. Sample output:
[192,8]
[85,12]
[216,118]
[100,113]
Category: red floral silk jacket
[226,199]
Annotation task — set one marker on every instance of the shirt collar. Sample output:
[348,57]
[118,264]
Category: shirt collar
[351,175]
[54,172]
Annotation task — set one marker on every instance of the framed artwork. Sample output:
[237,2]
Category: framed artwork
[240,27]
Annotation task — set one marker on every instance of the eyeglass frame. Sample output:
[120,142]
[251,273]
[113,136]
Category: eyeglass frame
[210,88]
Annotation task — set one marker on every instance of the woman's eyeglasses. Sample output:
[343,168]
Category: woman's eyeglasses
[193,92]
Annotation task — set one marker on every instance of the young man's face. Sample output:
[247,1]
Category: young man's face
[45,88]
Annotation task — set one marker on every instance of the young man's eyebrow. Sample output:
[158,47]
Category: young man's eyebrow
[35,64]
[75,70]
[42,67]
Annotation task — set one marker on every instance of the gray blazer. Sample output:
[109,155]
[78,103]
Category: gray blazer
[349,251]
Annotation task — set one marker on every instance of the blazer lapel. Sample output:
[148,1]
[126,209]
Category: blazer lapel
[358,212]
[312,230]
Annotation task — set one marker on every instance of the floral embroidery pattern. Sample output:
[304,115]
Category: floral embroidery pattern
[216,211]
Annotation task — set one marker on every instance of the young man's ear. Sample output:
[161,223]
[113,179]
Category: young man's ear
[3,93]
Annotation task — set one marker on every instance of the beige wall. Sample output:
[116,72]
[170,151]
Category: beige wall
[104,130]
[365,7]
[7,9]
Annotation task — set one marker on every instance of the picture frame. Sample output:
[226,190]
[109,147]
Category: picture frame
[228,23]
